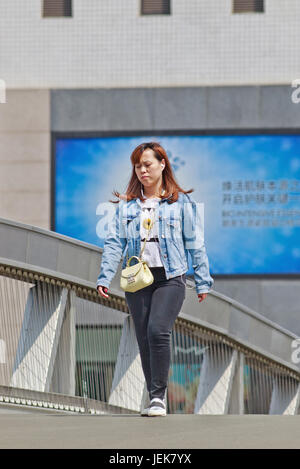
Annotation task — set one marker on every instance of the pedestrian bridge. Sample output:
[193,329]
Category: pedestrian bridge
[64,348]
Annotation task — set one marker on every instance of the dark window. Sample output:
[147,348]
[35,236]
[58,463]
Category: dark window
[55,8]
[156,7]
[245,6]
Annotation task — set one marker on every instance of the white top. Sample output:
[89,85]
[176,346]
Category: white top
[151,252]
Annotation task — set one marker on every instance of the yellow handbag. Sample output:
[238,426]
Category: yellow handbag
[137,276]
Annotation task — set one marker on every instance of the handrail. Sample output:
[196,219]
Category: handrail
[220,314]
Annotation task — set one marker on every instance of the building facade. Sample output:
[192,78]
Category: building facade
[109,69]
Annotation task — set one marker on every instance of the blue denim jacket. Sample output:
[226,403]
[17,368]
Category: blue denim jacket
[180,231]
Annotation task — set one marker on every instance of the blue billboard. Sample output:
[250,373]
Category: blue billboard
[249,185]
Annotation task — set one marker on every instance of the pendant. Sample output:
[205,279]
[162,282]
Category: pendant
[147,223]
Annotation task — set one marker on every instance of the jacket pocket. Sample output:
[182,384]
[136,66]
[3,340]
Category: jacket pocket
[173,235]
[173,230]
[128,218]
[173,223]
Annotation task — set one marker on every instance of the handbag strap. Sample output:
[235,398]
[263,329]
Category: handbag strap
[146,239]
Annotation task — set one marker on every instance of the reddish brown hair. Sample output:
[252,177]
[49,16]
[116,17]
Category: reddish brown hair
[170,185]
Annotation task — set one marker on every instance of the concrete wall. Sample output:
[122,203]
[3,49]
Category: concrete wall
[25,157]
[277,300]
[228,108]
[108,44]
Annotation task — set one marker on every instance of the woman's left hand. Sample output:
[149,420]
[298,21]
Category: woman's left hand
[202,296]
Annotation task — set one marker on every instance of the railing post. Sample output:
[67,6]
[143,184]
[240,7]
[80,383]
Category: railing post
[128,383]
[39,337]
[285,396]
[216,380]
[63,378]
[236,401]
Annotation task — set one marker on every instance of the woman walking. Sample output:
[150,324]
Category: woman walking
[154,194]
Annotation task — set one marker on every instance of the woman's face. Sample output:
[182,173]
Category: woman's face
[149,169]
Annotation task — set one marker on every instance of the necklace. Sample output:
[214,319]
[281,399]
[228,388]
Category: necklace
[148,222]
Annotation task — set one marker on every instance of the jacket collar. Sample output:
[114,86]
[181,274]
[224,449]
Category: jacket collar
[140,203]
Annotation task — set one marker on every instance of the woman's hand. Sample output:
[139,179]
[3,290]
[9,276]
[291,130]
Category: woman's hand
[202,296]
[102,291]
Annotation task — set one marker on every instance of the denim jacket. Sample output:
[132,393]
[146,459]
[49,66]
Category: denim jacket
[180,231]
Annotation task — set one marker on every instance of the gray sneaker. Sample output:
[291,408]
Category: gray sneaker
[157,408]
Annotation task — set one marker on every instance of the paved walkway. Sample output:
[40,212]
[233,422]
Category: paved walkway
[42,429]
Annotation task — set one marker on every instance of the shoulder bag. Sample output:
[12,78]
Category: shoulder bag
[137,276]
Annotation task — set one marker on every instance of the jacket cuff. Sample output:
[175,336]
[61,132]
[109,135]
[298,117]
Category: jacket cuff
[103,283]
[202,291]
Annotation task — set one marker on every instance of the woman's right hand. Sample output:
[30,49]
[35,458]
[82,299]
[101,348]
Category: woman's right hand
[102,291]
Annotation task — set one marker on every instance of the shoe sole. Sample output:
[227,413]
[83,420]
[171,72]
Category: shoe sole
[156,415]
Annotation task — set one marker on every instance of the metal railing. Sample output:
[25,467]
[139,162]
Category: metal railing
[64,347]
[60,342]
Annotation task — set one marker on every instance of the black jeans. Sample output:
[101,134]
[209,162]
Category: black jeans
[154,310]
